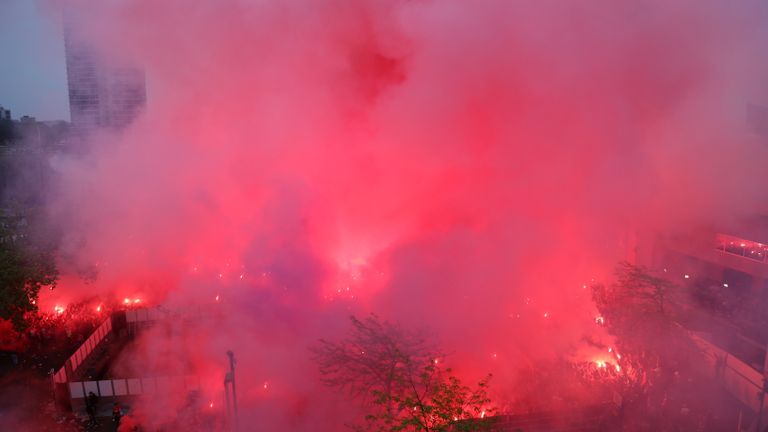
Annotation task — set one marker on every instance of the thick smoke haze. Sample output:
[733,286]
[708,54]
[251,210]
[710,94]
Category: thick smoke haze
[461,166]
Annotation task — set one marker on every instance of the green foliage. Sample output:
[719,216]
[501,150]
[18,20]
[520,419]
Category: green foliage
[400,375]
[25,267]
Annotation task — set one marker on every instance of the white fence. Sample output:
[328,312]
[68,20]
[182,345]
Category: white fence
[740,379]
[161,313]
[134,386]
[82,353]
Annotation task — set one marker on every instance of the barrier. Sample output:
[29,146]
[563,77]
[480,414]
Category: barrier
[135,319]
[138,319]
[737,246]
[69,369]
[144,315]
[740,379]
[133,386]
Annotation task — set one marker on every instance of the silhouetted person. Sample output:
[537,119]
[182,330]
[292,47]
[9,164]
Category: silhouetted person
[91,406]
[116,415]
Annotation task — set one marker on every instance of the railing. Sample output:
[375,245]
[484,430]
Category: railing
[160,313]
[133,386]
[137,319]
[81,355]
[740,379]
[737,246]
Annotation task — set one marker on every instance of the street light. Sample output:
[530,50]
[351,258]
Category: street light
[229,382]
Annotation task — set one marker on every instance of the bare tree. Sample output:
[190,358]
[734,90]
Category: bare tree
[400,373]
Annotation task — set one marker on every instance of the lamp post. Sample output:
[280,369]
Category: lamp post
[229,378]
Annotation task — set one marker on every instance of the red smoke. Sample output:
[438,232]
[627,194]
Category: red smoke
[461,166]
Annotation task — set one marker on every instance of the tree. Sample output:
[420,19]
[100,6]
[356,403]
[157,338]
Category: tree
[654,348]
[637,311]
[26,265]
[400,373]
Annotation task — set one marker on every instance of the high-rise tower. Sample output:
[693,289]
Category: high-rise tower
[101,95]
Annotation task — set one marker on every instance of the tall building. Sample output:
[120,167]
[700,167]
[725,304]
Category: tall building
[101,95]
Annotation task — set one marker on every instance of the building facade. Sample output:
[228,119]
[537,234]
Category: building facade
[101,95]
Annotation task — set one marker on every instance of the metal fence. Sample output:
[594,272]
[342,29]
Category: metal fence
[83,352]
[737,246]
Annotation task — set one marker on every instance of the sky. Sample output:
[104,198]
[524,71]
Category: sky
[32,70]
